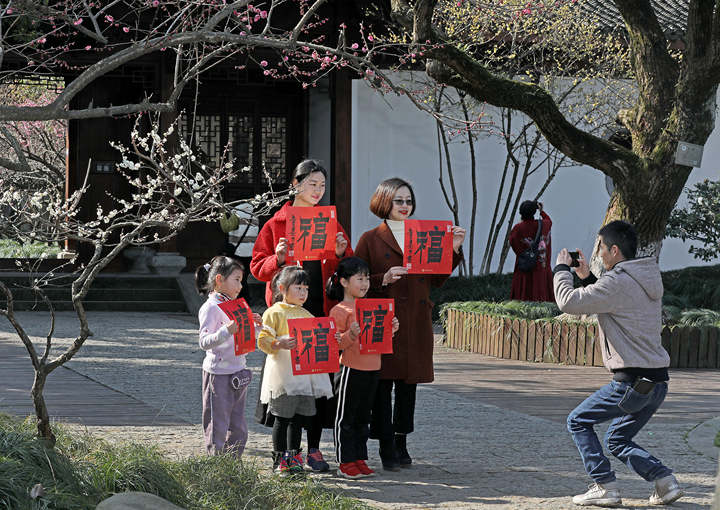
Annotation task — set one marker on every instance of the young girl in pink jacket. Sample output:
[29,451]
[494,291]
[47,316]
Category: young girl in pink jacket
[225,378]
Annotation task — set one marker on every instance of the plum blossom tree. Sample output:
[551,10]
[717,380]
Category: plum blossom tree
[88,40]
[84,41]
[170,189]
[529,45]
[676,85]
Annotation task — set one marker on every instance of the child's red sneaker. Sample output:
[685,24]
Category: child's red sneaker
[364,468]
[349,470]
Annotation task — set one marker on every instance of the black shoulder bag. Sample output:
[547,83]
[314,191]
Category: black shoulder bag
[527,260]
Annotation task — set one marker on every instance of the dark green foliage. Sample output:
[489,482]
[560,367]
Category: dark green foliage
[693,287]
[699,221]
[82,470]
[492,287]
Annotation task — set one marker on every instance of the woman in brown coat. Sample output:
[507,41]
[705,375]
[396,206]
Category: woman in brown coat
[411,361]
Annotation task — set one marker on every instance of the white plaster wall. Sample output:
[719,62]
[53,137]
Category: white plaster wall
[320,131]
[391,137]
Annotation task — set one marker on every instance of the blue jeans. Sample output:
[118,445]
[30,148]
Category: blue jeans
[629,412]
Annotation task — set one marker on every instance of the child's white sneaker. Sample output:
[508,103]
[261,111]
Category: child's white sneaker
[599,494]
[667,490]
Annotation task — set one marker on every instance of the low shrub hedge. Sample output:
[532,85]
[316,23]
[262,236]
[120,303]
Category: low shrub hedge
[685,289]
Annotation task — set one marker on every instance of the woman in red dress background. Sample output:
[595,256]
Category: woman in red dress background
[535,285]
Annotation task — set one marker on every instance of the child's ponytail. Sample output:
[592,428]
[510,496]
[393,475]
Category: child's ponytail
[347,267]
[334,288]
[220,265]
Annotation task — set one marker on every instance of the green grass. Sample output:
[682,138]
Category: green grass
[699,318]
[14,249]
[509,309]
[717,439]
[83,470]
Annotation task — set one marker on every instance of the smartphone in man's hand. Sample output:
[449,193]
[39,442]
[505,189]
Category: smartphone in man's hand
[575,256]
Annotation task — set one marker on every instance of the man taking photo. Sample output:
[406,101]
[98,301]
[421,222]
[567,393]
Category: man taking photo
[627,302]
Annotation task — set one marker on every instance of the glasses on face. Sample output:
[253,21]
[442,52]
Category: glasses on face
[400,201]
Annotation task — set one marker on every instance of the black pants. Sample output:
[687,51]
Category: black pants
[355,390]
[286,433]
[385,420]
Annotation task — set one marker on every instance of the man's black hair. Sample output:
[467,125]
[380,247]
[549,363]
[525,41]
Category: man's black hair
[622,234]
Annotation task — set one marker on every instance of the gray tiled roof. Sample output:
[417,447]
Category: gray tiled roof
[672,14]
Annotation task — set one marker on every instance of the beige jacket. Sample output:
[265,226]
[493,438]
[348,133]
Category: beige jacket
[627,301]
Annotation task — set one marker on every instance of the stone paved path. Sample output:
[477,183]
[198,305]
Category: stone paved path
[489,433]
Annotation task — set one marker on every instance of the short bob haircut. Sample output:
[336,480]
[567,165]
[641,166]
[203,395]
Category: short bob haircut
[381,203]
[307,167]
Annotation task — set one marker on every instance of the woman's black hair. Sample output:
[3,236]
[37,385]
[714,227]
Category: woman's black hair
[288,275]
[220,265]
[306,167]
[527,209]
[347,267]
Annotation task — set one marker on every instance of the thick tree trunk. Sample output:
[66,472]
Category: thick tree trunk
[41,413]
[647,207]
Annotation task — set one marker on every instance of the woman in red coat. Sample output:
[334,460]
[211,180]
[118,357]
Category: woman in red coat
[535,285]
[411,361]
[270,254]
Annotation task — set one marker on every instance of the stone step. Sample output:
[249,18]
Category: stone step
[120,294]
[101,282]
[107,306]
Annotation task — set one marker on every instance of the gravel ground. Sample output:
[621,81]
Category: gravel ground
[466,454]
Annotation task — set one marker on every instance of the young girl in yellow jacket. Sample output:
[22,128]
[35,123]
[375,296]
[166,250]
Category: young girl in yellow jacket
[290,398]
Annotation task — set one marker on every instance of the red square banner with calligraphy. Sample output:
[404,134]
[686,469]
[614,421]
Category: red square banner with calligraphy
[317,348]
[428,247]
[239,311]
[375,319]
[310,232]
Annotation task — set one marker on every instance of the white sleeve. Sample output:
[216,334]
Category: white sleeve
[209,319]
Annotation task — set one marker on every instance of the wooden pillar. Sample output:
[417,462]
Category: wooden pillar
[167,260]
[70,178]
[341,93]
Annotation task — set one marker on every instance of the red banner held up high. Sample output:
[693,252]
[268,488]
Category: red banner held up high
[428,247]
[317,348]
[310,232]
[239,311]
[375,319]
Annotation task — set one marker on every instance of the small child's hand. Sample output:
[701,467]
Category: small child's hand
[258,319]
[338,335]
[286,343]
[232,327]
[395,325]
[354,330]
